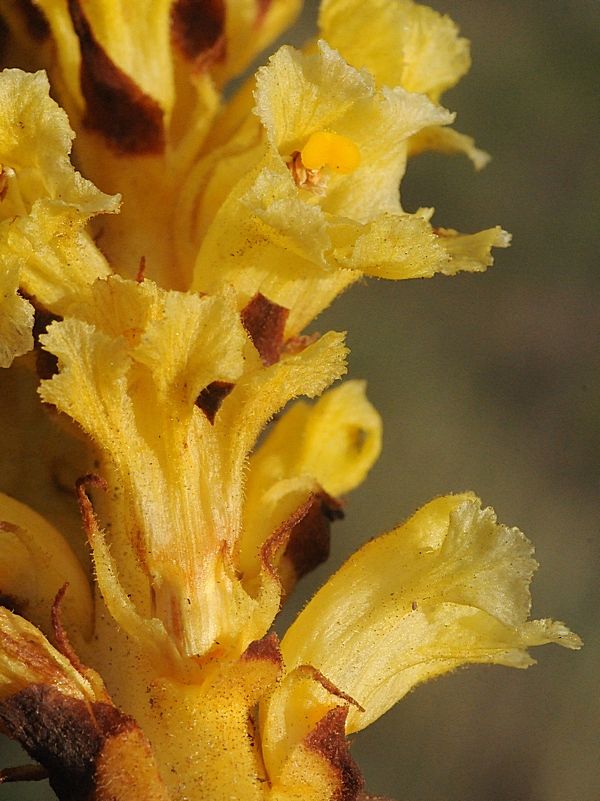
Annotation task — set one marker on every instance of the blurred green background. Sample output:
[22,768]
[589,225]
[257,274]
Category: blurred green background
[490,382]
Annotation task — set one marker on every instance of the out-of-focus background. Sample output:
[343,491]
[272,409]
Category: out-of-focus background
[490,382]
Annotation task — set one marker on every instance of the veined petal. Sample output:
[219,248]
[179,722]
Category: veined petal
[297,96]
[26,657]
[330,446]
[16,313]
[266,239]
[170,387]
[336,441]
[398,246]
[401,43]
[448,588]
[46,204]
[35,563]
[293,239]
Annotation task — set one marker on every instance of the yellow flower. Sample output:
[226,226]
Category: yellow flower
[416,48]
[167,323]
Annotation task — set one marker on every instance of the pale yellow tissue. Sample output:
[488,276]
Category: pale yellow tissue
[131,365]
[367,34]
[258,396]
[186,351]
[401,43]
[435,56]
[299,96]
[47,203]
[448,588]
[208,184]
[35,143]
[271,242]
[336,441]
[35,563]
[448,141]
[26,657]
[289,713]
[174,482]
[135,36]
[272,235]
[331,446]
[471,252]
[16,314]
[398,246]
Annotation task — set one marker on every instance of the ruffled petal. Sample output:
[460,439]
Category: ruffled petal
[297,240]
[172,390]
[401,43]
[327,447]
[46,204]
[449,587]
[16,313]
[471,252]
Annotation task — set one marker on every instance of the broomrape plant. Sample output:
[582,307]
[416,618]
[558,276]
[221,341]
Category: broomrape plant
[166,323]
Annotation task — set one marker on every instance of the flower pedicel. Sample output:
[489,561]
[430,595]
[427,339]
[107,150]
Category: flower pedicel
[167,325]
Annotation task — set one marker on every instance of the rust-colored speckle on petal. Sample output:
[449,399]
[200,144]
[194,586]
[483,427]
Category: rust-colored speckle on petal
[328,739]
[198,31]
[35,21]
[261,11]
[266,650]
[310,539]
[265,323]
[63,734]
[300,342]
[60,635]
[90,522]
[211,398]
[330,686]
[279,538]
[3,176]
[130,120]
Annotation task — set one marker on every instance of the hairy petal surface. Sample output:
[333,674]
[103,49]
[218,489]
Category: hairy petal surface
[35,563]
[401,43]
[295,244]
[327,447]
[44,207]
[447,588]
[136,368]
